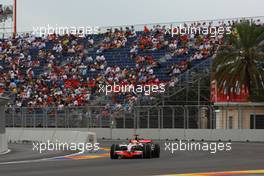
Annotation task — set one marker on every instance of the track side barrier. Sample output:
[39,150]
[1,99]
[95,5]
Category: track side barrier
[239,135]
[51,134]
[83,135]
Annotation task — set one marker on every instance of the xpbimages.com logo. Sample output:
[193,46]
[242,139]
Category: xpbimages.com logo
[211,147]
[62,30]
[130,88]
[63,146]
[213,31]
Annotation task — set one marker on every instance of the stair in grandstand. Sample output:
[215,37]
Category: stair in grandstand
[186,80]
[198,75]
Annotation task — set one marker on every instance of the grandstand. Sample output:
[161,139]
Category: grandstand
[64,71]
[154,53]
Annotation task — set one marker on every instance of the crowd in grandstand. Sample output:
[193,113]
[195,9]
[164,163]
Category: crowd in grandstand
[56,70]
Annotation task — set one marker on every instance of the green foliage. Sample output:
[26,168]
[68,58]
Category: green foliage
[257,95]
[239,61]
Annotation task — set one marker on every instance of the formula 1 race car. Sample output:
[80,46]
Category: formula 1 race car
[136,148]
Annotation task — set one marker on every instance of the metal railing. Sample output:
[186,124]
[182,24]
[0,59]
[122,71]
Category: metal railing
[222,116]
[140,27]
[176,116]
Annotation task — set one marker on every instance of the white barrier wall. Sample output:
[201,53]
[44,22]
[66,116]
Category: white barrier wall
[182,134]
[51,134]
[80,134]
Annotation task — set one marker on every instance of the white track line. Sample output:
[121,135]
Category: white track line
[36,160]
[39,160]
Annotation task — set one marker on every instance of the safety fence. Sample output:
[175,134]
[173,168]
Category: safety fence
[176,116]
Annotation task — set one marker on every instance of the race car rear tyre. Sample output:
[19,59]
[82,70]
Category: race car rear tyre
[147,151]
[113,155]
[156,151]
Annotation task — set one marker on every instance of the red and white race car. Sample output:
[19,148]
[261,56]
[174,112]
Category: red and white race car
[136,148]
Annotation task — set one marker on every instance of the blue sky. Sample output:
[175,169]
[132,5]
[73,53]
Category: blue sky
[118,12]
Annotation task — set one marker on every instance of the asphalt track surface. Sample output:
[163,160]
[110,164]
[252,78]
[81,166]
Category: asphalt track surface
[243,156]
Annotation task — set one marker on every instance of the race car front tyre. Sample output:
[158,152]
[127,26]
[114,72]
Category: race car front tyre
[113,155]
[147,151]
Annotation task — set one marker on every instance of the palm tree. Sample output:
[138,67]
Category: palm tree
[239,62]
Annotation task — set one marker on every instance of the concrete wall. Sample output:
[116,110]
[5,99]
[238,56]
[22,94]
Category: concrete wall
[79,134]
[51,134]
[182,134]
[171,134]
